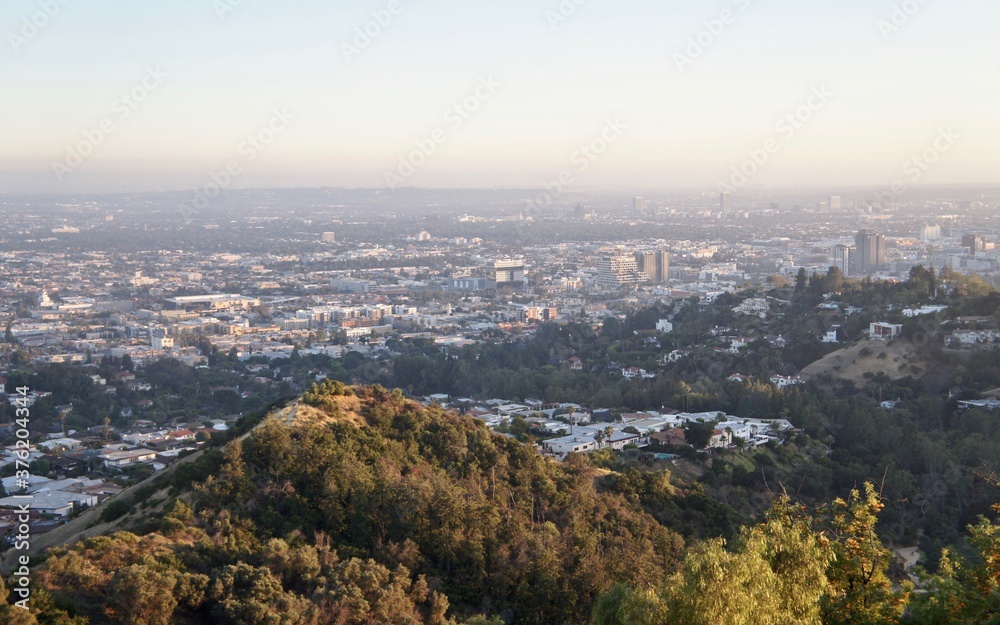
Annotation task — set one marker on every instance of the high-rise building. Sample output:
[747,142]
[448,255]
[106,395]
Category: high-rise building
[870,251]
[726,202]
[507,273]
[654,265]
[974,243]
[842,257]
[619,270]
[835,203]
[639,206]
[329,237]
[930,233]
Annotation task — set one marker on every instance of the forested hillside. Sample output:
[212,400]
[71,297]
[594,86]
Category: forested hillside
[366,508]
[385,512]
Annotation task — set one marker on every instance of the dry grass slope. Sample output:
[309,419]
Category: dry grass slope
[896,359]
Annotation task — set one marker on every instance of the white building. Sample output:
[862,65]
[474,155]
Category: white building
[663,325]
[162,343]
[882,331]
[782,381]
[616,271]
[923,310]
[832,335]
[754,306]
[127,457]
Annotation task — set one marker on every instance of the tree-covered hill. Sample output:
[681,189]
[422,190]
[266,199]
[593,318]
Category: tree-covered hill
[356,506]
[390,513]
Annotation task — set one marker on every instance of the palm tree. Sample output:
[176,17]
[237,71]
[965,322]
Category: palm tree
[572,411]
[599,437]
[608,433]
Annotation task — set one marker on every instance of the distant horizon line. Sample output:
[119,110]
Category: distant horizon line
[603,189]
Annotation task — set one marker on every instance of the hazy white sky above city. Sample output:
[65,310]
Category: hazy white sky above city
[558,77]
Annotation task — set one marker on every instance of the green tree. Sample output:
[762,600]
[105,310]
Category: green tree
[774,575]
[698,434]
[861,592]
[627,606]
[140,595]
[834,282]
[801,280]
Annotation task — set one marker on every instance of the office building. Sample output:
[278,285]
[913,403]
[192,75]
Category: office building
[842,258]
[835,203]
[654,265]
[467,284]
[329,237]
[974,243]
[639,206]
[615,271]
[349,285]
[210,303]
[871,250]
[726,202]
[930,233]
[507,274]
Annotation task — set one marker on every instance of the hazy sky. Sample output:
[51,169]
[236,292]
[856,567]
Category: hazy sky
[557,85]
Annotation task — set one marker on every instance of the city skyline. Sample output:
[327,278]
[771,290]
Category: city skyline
[570,95]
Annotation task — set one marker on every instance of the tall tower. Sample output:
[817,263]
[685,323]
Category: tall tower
[843,257]
[870,251]
[726,202]
[655,265]
[974,243]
